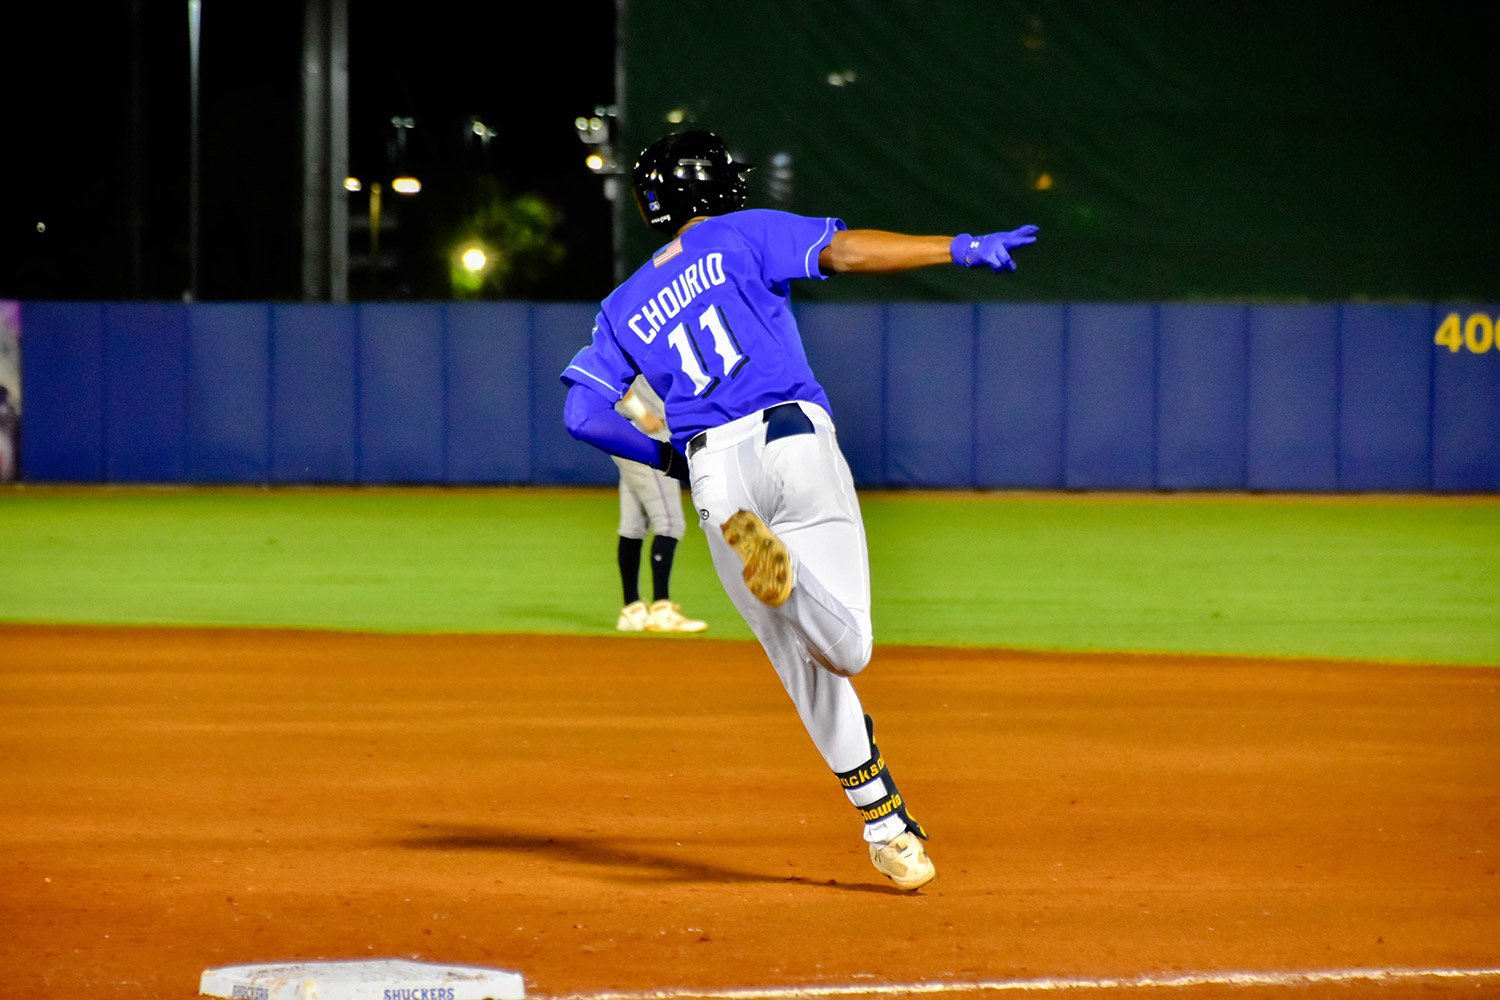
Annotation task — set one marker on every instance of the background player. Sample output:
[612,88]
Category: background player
[650,503]
[708,322]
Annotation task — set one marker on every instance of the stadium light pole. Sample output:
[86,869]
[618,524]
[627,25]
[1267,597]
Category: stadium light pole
[617,198]
[325,150]
[599,133]
[135,217]
[406,185]
[195,22]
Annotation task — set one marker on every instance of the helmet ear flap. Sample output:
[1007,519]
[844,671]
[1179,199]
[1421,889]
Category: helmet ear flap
[644,202]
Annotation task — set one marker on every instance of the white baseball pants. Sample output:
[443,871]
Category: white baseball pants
[650,502]
[801,487]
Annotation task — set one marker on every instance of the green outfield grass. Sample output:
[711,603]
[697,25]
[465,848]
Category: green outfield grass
[1368,577]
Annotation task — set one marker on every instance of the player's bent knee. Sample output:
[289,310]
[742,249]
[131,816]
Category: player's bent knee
[858,663]
[847,658]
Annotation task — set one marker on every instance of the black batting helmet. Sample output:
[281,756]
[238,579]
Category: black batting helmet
[686,174]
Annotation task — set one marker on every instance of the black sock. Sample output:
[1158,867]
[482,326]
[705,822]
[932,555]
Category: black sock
[629,555]
[662,551]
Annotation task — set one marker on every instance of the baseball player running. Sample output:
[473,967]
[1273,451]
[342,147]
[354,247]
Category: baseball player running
[650,503]
[708,322]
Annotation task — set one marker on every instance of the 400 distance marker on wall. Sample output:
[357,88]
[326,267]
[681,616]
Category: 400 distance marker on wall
[1474,333]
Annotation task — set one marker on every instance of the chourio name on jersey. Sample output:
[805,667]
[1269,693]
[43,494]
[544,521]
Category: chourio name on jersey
[675,296]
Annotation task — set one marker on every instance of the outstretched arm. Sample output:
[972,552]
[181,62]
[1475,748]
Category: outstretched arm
[875,251]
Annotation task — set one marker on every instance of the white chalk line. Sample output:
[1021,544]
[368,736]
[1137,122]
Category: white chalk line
[1047,985]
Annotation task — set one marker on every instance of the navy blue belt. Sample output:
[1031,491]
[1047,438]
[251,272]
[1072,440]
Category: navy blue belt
[782,420]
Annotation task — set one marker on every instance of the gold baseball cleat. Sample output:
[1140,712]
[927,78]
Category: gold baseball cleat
[768,565]
[668,617]
[904,861]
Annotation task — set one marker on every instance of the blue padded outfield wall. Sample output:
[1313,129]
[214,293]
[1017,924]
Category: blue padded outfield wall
[1309,398]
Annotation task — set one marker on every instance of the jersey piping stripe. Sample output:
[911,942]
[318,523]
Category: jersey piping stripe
[807,258]
[594,378]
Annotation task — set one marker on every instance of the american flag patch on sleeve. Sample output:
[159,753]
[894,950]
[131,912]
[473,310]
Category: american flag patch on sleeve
[667,252]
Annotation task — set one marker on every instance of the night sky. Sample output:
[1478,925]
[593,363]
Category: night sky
[77,145]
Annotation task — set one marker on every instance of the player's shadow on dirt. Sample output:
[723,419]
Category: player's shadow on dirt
[644,860]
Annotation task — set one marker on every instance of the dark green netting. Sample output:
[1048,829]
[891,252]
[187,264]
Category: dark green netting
[1173,149]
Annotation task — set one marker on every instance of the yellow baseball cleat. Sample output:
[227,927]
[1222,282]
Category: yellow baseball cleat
[904,861]
[768,565]
[633,617]
[668,617]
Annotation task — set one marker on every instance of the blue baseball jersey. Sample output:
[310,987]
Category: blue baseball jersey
[708,321]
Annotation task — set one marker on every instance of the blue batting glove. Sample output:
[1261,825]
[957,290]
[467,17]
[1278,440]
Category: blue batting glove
[991,250]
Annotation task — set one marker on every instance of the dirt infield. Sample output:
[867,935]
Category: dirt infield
[643,814]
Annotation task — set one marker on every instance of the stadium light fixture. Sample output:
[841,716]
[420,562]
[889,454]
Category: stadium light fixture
[474,259]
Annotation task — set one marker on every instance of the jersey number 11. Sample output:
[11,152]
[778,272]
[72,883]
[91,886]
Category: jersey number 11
[693,363]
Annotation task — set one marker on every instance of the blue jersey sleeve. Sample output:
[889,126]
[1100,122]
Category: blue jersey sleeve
[788,244]
[602,366]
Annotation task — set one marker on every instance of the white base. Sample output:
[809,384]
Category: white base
[379,979]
